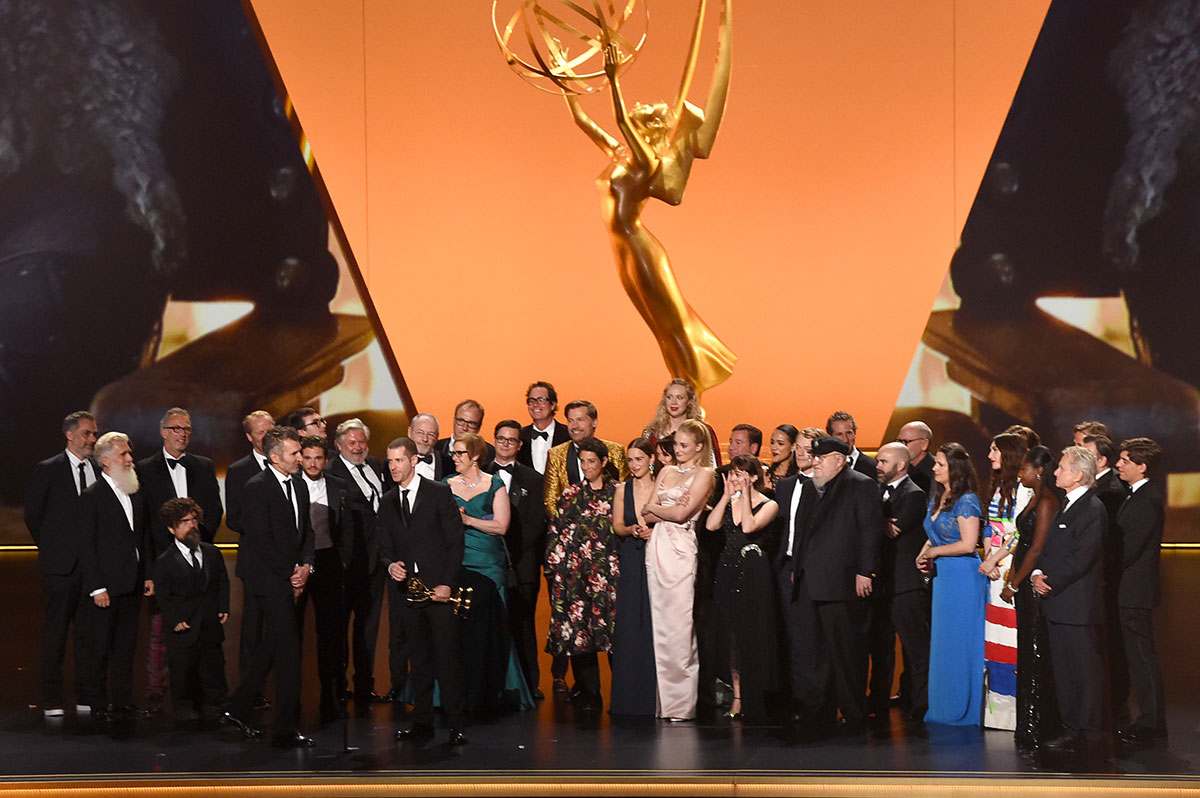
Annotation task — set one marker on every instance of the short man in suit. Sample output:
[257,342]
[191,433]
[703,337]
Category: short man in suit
[365,576]
[542,433]
[901,599]
[1069,578]
[114,541]
[526,542]
[839,539]
[468,418]
[255,425]
[423,431]
[51,514]
[174,472]
[916,436]
[1141,520]
[841,425]
[325,586]
[421,533]
[562,469]
[192,590]
[277,531]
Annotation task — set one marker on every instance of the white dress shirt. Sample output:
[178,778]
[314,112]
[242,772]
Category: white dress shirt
[504,475]
[127,506]
[792,515]
[426,470]
[318,490]
[369,484]
[194,559]
[178,474]
[283,480]
[539,449]
[89,473]
[1134,487]
[1072,497]
[413,486]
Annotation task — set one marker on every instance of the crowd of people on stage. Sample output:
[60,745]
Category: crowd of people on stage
[770,592]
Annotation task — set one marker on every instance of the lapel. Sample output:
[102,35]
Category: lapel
[419,499]
[115,502]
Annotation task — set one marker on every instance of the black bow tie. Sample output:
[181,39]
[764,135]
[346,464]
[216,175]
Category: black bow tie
[535,434]
[172,463]
[508,468]
[425,458]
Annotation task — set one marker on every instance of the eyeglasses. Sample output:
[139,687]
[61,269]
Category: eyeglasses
[462,422]
[459,453]
[538,400]
[316,422]
[507,441]
[179,429]
[911,440]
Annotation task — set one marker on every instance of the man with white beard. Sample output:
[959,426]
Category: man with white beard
[114,548]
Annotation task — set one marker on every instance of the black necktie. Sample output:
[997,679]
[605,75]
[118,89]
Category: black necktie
[363,470]
[405,510]
[425,458]
[573,473]
[196,559]
[287,484]
[172,463]
[535,434]
[82,477]
[508,468]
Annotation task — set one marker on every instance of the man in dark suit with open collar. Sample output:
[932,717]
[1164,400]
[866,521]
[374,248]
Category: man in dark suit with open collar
[468,418]
[51,515]
[280,557]
[365,575]
[173,472]
[1069,578]
[1141,519]
[421,534]
[115,551]
[839,543]
[841,425]
[543,432]
[526,542]
[900,594]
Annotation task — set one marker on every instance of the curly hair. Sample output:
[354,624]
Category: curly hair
[659,426]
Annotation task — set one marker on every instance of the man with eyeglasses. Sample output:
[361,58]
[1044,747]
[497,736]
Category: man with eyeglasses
[526,542]
[173,472]
[468,417]
[309,422]
[916,435]
[543,433]
[423,432]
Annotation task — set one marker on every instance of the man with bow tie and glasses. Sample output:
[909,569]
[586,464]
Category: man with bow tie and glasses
[543,433]
[174,472]
[423,432]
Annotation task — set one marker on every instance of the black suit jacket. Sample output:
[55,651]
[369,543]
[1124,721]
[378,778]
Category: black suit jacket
[1071,562]
[442,450]
[525,453]
[273,545]
[433,537]
[842,537]
[922,474]
[52,514]
[526,535]
[865,465]
[155,479]
[236,478]
[184,595]
[1140,521]
[358,514]
[899,558]
[114,556]
[784,490]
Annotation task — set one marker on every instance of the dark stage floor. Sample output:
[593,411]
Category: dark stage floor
[552,740]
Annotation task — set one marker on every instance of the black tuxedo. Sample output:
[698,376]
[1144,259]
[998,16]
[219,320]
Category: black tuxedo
[52,515]
[442,450]
[525,453]
[900,603]
[526,542]
[326,589]
[365,578]
[802,663]
[430,540]
[277,538]
[840,539]
[922,473]
[155,479]
[1074,608]
[184,594]
[865,465]
[114,557]
[1140,521]
[236,478]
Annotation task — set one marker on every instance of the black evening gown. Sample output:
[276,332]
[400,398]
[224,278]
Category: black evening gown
[744,598]
[1037,704]
[634,681]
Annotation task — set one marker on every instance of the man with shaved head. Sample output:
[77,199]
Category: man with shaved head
[916,435]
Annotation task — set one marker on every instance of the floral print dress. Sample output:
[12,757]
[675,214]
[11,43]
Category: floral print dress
[581,566]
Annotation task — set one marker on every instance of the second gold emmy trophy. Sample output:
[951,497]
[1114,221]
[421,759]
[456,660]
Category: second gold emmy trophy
[420,593]
[574,47]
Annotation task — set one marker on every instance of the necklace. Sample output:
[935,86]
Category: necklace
[683,470]
[473,484]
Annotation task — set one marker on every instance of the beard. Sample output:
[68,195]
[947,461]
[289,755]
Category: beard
[192,539]
[820,482]
[126,479]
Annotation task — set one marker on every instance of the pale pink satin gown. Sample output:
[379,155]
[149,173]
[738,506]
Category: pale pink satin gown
[671,578]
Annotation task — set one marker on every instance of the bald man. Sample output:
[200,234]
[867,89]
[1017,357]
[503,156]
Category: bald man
[916,435]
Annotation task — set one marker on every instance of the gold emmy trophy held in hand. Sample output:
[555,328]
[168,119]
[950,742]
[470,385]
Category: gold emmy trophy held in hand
[420,593]
[652,158]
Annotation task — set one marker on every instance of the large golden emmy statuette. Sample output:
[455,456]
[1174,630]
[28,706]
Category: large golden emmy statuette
[575,47]
[420,593]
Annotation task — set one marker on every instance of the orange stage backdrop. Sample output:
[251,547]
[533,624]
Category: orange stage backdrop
[814,241]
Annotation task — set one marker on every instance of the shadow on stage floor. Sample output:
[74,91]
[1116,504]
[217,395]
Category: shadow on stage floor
[553,741]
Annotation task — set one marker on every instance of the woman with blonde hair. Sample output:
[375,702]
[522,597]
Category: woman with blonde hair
[677,405]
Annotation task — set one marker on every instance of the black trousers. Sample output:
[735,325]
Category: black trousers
[111,639]
[805,666]
[364,601]
[64,597]
[910,617]
[277,653]
[586,668]
[834,640]
[522,609]
[1145,675]
[325,590]
[433,639]
[882,651]
[398,650]
[1078,663]
[197,672]
[252,628]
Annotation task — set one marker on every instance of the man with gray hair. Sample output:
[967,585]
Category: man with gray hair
[365,577]
[115,552]
[1069,580]
[423,431]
